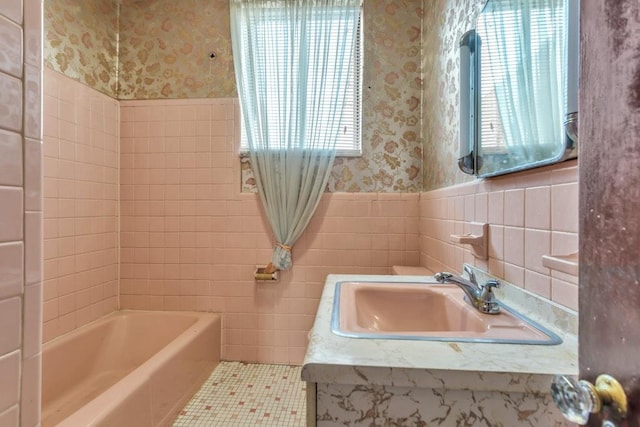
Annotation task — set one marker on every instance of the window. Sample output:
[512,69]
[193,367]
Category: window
[349,139]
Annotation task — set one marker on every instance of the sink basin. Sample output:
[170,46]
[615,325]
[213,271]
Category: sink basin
[424,311]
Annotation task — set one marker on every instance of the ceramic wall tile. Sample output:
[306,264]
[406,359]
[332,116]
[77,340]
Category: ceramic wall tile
[10,103]
[518,237]
[10,158]
[80,204]
[10,417]
[191,240]
[11,318]
[11,214]
[12,9]
[30,391]
[11,41]
[10,385]
[33,32]
[17,312]
[33,102]
[11,269]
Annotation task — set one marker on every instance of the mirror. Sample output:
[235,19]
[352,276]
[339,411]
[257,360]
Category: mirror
[519,81]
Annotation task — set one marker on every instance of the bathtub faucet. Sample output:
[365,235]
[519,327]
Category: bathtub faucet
[479,296]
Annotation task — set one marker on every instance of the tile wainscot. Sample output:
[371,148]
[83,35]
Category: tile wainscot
[366,382]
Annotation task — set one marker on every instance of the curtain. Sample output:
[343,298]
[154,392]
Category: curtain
[527,46]
[291,60]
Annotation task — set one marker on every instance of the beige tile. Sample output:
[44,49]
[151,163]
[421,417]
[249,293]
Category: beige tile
[11,213]
[10,158]
[10,103]
[11,269]
[10,374]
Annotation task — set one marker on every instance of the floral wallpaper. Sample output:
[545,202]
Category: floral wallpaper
[164,53]
[165,48]
[80,41]
[445,21]
[391,100]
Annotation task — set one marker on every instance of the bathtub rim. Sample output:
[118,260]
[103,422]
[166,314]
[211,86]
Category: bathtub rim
[108,401]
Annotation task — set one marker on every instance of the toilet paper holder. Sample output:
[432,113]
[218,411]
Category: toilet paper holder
[261,275]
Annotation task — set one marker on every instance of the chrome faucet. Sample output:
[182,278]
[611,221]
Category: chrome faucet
[479,296]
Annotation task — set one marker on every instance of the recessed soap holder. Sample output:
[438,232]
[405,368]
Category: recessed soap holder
[478,239]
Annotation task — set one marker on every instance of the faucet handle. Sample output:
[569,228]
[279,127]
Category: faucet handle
[471,274]
[492,283]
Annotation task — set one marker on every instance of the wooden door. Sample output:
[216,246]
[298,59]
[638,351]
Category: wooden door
[609,163]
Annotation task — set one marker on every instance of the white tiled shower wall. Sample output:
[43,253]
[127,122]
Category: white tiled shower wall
[20,212]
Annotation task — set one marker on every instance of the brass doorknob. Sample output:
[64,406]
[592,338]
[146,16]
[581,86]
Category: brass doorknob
[578,399]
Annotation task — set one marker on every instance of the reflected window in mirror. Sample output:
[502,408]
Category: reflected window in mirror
[525,63]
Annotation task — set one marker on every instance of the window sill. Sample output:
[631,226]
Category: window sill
[339,153]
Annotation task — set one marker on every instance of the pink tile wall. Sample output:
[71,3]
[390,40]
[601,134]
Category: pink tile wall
[20,211]
[530,214]
[80,204]
[190,240]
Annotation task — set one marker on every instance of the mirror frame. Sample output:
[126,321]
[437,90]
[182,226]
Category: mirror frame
[469,159]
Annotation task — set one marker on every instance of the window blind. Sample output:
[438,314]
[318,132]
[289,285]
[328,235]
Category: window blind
[543,23]
[349,138]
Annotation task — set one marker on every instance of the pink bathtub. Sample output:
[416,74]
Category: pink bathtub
[132,368]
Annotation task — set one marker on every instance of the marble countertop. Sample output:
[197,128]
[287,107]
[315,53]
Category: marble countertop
[431,364]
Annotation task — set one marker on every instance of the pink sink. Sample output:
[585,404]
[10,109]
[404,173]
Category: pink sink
[426,312]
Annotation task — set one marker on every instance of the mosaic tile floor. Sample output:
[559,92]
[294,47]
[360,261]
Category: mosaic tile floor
[241,394]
